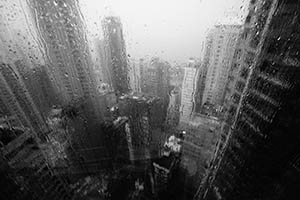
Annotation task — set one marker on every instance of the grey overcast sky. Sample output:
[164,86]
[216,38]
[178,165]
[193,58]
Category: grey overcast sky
[172,29]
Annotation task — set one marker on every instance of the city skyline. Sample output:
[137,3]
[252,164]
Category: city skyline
[94,106]
[174,31]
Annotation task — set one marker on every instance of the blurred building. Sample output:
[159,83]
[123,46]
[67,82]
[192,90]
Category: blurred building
[173,114]
[155,78]
[16,101]
[176,75]
[104,76]
[145,121]
[115,50]
[258,153]
[39,86]
[203,73]
[162,172]
[135,75]
[188,90]
[68,58]
[25,173]
[19,36]
[217,60]
[116,140]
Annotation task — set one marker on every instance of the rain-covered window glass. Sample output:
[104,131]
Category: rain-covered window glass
[149,99]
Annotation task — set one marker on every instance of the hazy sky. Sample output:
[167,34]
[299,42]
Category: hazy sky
[172,29]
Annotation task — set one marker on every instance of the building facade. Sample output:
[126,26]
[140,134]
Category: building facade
[173,115]
[155,79]
[221,45]
[188,90]
[68,57]
[258,150]
[135,76]
[17,102]
[115,49]
[25,171]
[145,120]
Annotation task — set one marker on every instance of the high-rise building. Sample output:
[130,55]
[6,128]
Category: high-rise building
[115,49]
[105,66]
[17,101]
[116,140]
[20,40]
[203,73]
[173,115]
[162,172]
[25,172]
[188,90]
[258,152]
[176,75]
[220,46]
[155,79]
[145,118]
[39,86]
[62,30]
[134,75]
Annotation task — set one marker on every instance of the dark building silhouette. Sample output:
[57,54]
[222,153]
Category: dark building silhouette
[155,79]
[145,121]
[258,154]
[162,172]
[115,48]
[17,102]
[116,141]
[39,86]
[25,172]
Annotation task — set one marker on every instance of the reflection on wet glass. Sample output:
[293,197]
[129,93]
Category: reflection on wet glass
[149,99]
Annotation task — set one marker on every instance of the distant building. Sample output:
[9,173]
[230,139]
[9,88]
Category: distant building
[135,75]
[176,75]
[145,119]
[220,48]
[155,78]
[104,76]
[173,114]
[259,148]
[114,45]
[188,90]
[201,79]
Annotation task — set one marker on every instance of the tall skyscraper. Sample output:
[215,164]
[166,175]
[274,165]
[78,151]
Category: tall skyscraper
[145,115]
[25,171]
[203,73]
[258,151]
[39,86]
[105,66]
[173,115]
[135,75]
[188,90]
[155,79]
[62,30]
[17,101]
[114,45]
[218,59]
